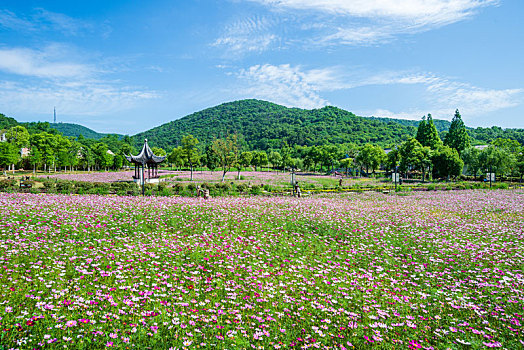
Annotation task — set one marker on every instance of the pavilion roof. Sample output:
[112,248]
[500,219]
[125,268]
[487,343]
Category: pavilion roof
[146,156]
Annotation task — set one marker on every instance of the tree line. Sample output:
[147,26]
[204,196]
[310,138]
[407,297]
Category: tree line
[425,155]
[46,149]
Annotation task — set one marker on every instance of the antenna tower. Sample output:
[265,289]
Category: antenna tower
[54,115]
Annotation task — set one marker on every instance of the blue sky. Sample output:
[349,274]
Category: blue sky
[126,66]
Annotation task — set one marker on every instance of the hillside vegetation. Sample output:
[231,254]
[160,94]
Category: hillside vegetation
[75,130]
[266,125]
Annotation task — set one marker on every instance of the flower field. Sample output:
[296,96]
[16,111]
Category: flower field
[112,176]
[431,270]
[254,177]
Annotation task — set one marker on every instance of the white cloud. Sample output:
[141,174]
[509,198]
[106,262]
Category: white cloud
[60,22]
[11,21]
[40,20]
[36,80]
[295,86]
[286,85]
[443,96]
[81,99]
[250,34]
[311,23]
[416,11]
[42,64]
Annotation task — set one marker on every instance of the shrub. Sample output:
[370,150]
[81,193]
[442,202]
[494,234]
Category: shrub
[161,186]
[242,187]
[121,186]
[49,184]
[178,188]
[65,187]
[165,192]
[7,184]
[255,190]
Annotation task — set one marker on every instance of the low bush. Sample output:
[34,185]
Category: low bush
[7,184]
[64,187]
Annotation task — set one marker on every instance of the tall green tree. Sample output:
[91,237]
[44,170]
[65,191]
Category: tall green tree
[118,161]
[346,163]
[285,152]
[226,151]
[18,136]
[274,158]
[190,152]
[46,144]
[371,157]
[259,159]
[414,156]
[447,162]
[520,163]
[210,159]
[497,160]
[244,161]
[175,157]
[9,154]
[393,158]
[427,133]
[103,159]
[158,151]
[87,158]
[471,158]
[457,136]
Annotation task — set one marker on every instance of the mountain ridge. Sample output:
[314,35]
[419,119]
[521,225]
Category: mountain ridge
[265,125]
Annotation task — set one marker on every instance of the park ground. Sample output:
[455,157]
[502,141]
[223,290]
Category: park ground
[432,270]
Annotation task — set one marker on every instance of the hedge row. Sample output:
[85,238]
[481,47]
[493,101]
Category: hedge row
[215,189]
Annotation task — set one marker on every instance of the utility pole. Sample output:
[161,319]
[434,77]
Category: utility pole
[490,176]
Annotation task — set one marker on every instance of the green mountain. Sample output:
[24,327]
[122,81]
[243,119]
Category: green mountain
[7,122]
[267,125]
[441,125]
[75,130]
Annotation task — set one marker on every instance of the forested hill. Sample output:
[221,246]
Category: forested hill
[441,125]
[7,122]
[266,125]
[75,130]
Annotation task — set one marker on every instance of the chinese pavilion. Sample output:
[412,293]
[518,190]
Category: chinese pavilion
[146,159]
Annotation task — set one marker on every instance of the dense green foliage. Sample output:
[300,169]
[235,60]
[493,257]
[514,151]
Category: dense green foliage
[6,122]
[457,136]
[427,133]
[266,125]
[75,130]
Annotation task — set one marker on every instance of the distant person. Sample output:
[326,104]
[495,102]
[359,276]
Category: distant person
[297,189]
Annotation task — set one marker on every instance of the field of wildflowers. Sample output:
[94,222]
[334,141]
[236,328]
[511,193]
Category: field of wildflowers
[107,176]
[429,270]
[254,177]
